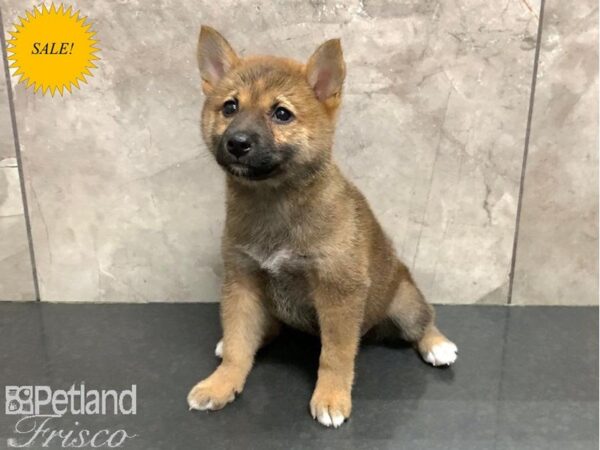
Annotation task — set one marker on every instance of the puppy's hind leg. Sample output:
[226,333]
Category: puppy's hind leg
[414,319]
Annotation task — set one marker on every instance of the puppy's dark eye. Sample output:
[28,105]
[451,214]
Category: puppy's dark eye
[230,107]
[282,115]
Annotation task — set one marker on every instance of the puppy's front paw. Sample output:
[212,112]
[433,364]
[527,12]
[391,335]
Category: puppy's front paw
[214,392]
[330,408]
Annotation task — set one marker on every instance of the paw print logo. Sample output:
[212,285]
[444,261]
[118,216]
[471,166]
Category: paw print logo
[19,400]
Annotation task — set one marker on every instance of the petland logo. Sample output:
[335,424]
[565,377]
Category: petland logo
[41,407]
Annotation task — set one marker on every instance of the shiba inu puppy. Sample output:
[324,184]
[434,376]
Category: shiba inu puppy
[301,245]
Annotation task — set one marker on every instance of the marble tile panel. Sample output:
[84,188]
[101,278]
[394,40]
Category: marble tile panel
[557,253]
[16,276]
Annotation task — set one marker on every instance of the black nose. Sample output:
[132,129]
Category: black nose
[239,144]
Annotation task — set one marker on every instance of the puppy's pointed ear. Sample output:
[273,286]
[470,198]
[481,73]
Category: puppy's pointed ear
[215,57]
[326,70]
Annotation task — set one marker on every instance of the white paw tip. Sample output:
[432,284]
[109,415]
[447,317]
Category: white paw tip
[442,354]
[193,404]
[324,419]
[219,349]
[334,419]
[337,419]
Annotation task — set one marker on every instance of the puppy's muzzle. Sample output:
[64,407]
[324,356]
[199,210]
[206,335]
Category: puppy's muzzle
[240,144]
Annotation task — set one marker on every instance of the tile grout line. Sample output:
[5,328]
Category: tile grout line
[13,119]
[536,59]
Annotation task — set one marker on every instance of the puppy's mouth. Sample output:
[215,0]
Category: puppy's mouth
[250,172]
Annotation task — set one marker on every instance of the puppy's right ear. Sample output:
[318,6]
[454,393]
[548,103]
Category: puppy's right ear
[215,57]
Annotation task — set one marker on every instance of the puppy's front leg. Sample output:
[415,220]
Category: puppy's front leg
[340,319]
[245,323]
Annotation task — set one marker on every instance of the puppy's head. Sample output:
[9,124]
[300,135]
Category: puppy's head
[266,119]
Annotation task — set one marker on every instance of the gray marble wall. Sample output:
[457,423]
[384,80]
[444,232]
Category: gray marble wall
[557,252]
[126,205]
[16,277]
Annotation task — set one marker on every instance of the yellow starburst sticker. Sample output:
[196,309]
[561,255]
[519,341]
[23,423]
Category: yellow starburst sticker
[52,49]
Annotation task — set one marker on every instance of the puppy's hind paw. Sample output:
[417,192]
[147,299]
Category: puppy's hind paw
[219,349]
[441,354]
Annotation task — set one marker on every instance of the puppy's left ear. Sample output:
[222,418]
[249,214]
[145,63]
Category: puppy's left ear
[215,57]
[326,70]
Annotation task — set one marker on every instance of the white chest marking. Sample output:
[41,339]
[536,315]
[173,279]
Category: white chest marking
[277,260]
[272,262]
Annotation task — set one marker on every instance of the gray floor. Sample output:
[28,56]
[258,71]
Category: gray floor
[526,378]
